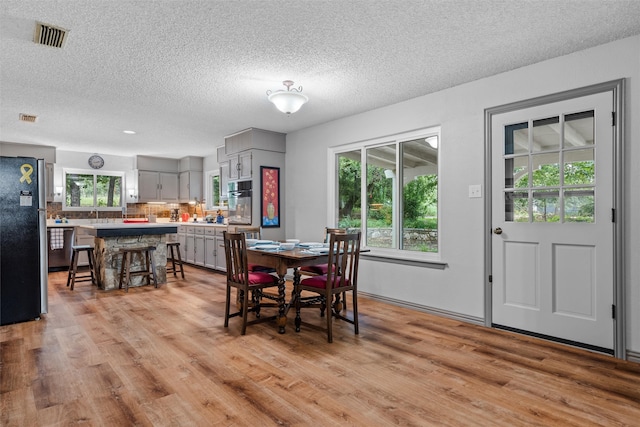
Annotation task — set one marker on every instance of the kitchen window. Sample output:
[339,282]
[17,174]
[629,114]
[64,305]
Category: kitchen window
[388,189]
[86,190]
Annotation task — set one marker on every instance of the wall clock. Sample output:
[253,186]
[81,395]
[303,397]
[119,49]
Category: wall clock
[96,161]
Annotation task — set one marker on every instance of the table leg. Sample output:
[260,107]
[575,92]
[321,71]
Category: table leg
[294,297]
[282,309]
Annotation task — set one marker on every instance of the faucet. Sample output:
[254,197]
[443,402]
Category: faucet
[96,212]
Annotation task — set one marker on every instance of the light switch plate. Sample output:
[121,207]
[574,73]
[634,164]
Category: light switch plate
[475,191]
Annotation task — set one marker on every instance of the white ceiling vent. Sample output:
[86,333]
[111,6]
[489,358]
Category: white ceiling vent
[49,35]
[28,118]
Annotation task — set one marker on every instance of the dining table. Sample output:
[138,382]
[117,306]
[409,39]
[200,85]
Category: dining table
[281,261]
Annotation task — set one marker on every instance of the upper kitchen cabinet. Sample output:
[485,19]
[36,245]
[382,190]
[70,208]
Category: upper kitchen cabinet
[158,179]
[241,148]
[157,186]
[240,166]
[191,179]
[252,138]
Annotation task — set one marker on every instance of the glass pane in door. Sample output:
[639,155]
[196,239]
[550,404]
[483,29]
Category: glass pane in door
[546,134]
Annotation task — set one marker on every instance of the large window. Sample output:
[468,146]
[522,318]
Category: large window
[388,189]
[85,190]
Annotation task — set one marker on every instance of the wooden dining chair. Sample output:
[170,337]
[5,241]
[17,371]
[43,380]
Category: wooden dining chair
[320,269]
[326,289]
[245,282]
[254,233]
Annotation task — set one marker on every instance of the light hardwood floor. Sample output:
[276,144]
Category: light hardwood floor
[161,357]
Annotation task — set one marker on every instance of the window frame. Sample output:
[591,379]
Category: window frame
[363,145]
[209,188]
[73,171]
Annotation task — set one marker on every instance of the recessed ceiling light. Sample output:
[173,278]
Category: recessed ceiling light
[129,132]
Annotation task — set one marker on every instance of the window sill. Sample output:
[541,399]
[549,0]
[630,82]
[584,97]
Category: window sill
[425,263]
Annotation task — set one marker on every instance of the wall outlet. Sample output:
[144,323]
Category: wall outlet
[475,191]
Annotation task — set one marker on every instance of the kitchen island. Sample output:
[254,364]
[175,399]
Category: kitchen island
[110,237]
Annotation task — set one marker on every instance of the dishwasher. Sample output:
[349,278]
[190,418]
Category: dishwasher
[60,257]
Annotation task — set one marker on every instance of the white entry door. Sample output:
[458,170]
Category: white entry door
[552,201]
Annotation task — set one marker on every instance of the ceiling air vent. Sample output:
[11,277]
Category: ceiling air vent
[49,35]
[28,118]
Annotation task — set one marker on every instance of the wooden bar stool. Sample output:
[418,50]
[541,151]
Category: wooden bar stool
[149,270]
[74,275]
[174,258]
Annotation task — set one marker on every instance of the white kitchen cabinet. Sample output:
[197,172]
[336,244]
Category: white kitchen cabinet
[221,263]
[157,186]
[182,239]
[203,245]
[190,186]
[240,166]
[190,245]
[210,248]
[198,258]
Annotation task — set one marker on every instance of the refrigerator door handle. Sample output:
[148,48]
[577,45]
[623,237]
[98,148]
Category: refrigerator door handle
[42,227]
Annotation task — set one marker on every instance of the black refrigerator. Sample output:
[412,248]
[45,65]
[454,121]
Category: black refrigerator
[23,240]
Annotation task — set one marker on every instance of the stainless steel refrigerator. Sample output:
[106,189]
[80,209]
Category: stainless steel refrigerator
[23,240]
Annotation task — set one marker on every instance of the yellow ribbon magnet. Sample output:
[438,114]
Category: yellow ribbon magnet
[26,170]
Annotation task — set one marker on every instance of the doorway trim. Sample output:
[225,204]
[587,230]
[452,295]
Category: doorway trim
[617,87]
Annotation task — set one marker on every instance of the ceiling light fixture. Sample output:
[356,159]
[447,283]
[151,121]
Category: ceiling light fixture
[288,101]
[129,132]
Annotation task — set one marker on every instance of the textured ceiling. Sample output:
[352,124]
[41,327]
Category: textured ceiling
[183,74]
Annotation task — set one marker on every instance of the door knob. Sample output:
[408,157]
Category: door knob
[497,230]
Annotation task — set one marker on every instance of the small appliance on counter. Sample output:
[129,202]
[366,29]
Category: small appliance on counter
[175,215]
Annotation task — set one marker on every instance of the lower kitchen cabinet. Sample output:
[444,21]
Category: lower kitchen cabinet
[203,245]
[198,258]
[210,251]
[221,257]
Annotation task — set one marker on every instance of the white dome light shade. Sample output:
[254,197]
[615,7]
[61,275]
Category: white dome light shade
[288,101]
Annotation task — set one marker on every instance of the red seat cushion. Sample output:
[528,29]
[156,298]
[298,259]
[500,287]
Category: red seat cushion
[321,281]
[316,269]
[260,278]
[256,267]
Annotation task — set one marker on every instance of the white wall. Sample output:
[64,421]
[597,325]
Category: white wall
[459,288]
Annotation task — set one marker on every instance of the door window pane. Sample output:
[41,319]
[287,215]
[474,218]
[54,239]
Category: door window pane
[579,129]
[579,167]
[545,205]
[546,170]
[516,139]
[516,172]
[516,206]
[546,134]
[579,205]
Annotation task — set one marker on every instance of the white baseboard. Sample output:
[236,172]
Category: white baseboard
[633,356]
[426,309]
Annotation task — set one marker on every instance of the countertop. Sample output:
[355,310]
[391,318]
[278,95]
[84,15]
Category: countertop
[129,229]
